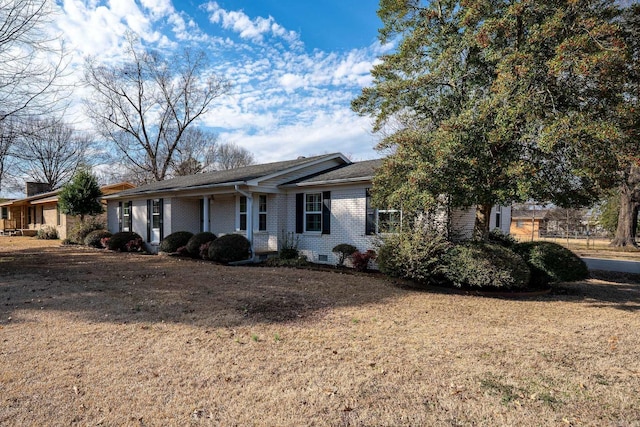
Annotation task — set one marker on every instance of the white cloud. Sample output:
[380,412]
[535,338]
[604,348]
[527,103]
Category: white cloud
[291,82]
[247,28]
[285,101]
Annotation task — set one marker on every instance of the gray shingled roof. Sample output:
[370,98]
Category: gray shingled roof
[358,171]
[230,176]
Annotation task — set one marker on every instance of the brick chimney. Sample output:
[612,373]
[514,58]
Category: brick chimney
[34,188]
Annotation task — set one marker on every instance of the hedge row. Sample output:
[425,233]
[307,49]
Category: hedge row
[427,257]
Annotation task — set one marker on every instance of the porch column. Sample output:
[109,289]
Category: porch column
[205,213]
[250,218]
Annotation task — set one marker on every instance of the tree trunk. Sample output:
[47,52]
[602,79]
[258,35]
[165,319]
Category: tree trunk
[482,223]
[627,220]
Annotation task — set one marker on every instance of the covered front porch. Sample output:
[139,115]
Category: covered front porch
[255,215]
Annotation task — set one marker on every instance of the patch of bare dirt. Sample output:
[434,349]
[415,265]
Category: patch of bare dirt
[90,337]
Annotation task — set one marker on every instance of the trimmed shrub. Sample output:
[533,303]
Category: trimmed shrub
[300,261]
[360,260]
[173,241]
[417,255]
[230,248]
[289,246]
[47,233]
[343,250]
[486,266]
[125,241]
[95,238]
[550,262]
[499,238]
[80,230]
[197,240]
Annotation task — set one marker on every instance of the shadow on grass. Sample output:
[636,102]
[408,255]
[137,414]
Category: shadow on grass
[103,286]
[606,289]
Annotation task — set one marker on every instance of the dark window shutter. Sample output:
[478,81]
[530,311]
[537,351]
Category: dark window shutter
[161,201]
[299,213]
[370,227]
[149,207]
[201,215]
[121,213]
[326,212]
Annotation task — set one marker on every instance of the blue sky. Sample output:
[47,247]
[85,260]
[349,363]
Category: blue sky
[294,65]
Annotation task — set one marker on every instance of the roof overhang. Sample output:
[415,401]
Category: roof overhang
[343,181]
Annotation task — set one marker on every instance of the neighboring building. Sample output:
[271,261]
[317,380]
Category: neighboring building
[527,223]
[320,201]
[40,209]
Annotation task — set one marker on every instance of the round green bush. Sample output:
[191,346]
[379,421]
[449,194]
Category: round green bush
[499,238]
[126,241]
[80,229]
[417,255]
[197,240]
[550,262]
[486,266]
[94,239]
[173,241]
[343,250]
[230,248]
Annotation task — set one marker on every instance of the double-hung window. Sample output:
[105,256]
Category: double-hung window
[262,212]
[126,216]
[382,220]
[155,213]
[242,210]
[498,216]
[313,212]
[389,221]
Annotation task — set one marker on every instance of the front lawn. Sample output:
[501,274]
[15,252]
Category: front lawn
[94,337]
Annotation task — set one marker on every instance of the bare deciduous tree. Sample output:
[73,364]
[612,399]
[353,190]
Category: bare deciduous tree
[230,156]
[196,153]
[145,105]
[50,151]
[31,60]
[8,136]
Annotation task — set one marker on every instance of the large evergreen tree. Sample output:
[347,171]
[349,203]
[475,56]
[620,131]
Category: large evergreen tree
[81,196]
[490,102]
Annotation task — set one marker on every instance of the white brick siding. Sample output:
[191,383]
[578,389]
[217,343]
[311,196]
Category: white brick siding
[113,216]
[184,215]
[223,214]
[348,223]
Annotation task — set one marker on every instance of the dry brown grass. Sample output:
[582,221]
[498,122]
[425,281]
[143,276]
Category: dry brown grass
[98,338]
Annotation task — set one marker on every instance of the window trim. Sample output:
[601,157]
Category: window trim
[262,212]
[155,216]
[372,217]
[126,218]
[387,211]
[307,213]
[242,214]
